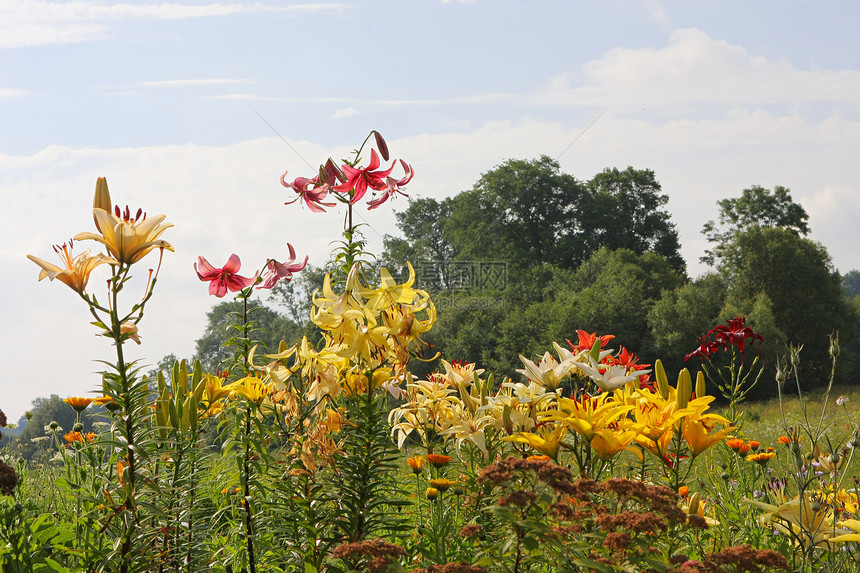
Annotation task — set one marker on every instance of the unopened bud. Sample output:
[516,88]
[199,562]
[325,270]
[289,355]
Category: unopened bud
[53,425]
[28,414]
[78,427]
[795,354]
[817,506]
[834,345]
[834,457]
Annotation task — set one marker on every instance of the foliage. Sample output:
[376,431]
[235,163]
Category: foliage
[757,207]
[788,268]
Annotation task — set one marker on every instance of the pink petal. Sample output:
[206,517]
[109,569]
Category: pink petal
[233,265]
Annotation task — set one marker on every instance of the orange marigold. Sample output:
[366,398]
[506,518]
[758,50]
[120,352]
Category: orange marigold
[438,460]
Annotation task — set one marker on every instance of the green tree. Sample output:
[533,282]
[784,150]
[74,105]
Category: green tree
[624,210]
[804,289]
[756,207]
[683,314]
[424,239]
[269,329]
[522,212]
[851,283]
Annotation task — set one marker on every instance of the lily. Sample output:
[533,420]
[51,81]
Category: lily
[310,191]
[76,270]
[276,271]
[128,237]
[359,180]
[393,186]
[223,279]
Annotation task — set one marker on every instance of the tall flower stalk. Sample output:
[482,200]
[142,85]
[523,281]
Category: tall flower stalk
[127,238]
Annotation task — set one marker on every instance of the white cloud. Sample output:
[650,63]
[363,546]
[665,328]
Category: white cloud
[695,69]
[193,82]
[8,93]
[37,23]
[344,112]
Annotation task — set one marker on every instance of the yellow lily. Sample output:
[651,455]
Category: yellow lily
[609,442]
[808,520]
[546,441]
[127,238]
[252,388]
[696,433]
[389,293]
[76,272]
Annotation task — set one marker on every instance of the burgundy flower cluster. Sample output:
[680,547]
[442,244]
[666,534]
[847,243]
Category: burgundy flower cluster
[733,333]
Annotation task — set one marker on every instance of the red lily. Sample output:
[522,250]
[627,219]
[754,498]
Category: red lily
[276,271]
[358,180]
[733,333]
[310,190]
[225,278]
[586,340]
[394,186]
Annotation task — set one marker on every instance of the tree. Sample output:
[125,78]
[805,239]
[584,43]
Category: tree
[756,207]
[804,289]
[625,211]
[523,213]
[851,283]
[683,314]
[269,329]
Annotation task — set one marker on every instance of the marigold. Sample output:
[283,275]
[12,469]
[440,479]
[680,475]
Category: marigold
[761,458]
[738,445]
[78,404]
[438,460]
[683,491]
[416,464]
[442,484]
[787,439]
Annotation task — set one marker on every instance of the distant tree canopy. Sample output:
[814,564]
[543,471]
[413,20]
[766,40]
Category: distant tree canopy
[269,329]
[527,212]
[757,207]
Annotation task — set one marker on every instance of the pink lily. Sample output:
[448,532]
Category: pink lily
[276,271]
[313,196]
[360,179]
[393,186]
[225,278]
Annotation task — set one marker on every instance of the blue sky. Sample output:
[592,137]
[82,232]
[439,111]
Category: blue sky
[165,100]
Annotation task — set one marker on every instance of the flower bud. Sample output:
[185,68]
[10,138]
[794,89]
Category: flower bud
[102,198]
[28,414]
[795,354]
[662,380]
[53,425]
[817,506]
[432,493]
[701,389]
[834,345]
[78,427]
[834,458]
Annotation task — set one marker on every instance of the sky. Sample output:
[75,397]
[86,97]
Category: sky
[195,109]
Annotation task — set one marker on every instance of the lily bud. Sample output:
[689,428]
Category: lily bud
[694,504]
[102,198]
[684,389]
[381,145]
[701,389]
[662,381]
